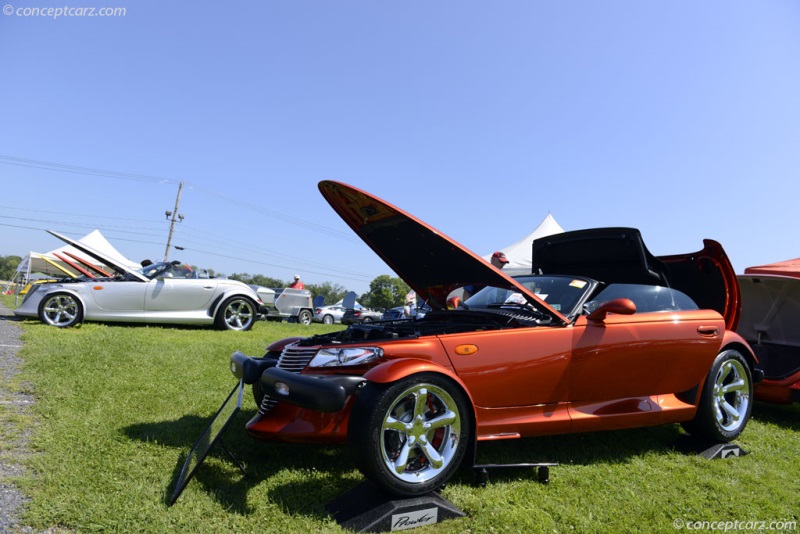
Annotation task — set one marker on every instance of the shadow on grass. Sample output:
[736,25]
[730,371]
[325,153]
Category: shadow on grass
[11,318]
[329,467]
[123,324]
[783,415]
[327,471]
[592,448]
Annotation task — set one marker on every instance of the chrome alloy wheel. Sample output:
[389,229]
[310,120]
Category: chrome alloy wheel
[61,310]
[731,395]
[239,314]
[420,433]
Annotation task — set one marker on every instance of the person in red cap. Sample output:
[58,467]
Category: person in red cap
[499,259]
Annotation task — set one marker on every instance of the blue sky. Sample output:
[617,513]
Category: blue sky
[680,118]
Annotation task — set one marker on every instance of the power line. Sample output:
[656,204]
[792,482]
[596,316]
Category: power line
[83,215]
[89,171]
[329,271]
[60,167]
[224,241]
[278,215]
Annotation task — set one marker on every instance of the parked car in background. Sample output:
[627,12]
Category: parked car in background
[163,293]
[329,314]
[362,315]
[393,314]
[335,312]
[771,324]
[604,336]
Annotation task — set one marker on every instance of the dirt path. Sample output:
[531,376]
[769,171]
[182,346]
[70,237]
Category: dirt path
[15,445]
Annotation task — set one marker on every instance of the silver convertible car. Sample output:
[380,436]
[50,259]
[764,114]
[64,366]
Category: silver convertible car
[164,292]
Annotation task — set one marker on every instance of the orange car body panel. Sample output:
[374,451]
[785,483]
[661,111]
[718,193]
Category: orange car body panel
[539,381]
[291,424]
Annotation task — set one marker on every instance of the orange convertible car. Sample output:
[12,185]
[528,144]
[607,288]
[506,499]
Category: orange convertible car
[601,335]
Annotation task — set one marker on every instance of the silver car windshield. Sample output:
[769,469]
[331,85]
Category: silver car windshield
[155,269]
[564,294]
[170,270]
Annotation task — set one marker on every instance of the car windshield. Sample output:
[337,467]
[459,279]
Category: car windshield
[168,270]
[564,294]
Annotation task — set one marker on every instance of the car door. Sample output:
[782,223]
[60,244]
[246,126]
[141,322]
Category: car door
[516,367]
[165,295]
[117,298]
[643,354]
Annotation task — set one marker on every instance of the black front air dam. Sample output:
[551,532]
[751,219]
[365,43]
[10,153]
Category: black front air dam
[323,393]
[249,369]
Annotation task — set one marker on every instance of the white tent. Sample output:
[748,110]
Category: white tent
[56,263]
[519,253]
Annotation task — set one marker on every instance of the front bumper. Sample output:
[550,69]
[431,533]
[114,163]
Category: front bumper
[323,393]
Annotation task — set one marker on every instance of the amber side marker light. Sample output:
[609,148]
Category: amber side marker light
[97,288]
[466,350]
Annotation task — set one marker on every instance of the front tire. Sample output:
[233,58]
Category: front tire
[236,313]
[726,400]
[410,436]
[61,309]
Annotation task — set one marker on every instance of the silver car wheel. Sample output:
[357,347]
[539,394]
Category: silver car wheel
[60,310]
[304,318]
[725,402]
[420,433]
[731,395]
[328,319]
[237,314]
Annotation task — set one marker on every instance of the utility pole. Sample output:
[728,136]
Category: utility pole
[175,216]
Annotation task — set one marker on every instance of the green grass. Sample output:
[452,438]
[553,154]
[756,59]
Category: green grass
[117,408]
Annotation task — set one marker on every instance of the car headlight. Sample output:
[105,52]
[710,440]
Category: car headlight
[336,357]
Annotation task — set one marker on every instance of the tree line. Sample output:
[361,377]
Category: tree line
[384,291]
[8,264]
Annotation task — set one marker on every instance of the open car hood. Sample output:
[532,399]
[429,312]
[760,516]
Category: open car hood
[99,256]
[619,255]
[431,263]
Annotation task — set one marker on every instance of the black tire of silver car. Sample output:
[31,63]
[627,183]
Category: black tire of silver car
[304,317]
[328,319]
[61,309]
[236,313]
[410,436]
[367,320]
[726,399]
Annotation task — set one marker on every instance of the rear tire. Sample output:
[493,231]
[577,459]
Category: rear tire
[726,400]
[328,319]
